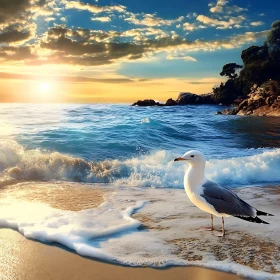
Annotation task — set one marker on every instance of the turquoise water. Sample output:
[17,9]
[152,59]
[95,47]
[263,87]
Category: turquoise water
[120,142]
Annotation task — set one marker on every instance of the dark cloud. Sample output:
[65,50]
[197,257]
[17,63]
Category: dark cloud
[17,18]
[12,35]
[82,46]
[71,47]
[16,53]
[10,9]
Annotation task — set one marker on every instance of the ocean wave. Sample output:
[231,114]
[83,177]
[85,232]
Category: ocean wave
[153,170]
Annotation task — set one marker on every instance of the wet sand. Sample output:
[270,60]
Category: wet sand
[23,259]
[255,246]
[64,196]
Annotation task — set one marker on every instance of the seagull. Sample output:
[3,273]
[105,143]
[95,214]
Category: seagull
[213,198]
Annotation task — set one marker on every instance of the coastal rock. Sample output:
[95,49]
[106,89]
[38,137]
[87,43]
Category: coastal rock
[188,98]
[171,102]
[242,104]
[147,102]
[230,111]
[262,101]
[184,98]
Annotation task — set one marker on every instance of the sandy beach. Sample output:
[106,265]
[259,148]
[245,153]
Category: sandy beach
[245,246]
[23,259]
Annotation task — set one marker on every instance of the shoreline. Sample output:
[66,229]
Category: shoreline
[25,259]
[178,223]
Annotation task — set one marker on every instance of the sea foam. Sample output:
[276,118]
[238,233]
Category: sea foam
[156,169]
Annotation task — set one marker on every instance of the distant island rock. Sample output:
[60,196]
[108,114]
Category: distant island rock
[147,102]
[184,98]
[171,102]
[188,98]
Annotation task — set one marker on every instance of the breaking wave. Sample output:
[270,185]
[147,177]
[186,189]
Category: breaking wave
[156,169]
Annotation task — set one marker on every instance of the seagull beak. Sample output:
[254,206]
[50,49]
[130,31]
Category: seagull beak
[179,158]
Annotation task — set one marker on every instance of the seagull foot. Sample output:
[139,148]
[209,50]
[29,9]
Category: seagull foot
[206,228]
[219,233]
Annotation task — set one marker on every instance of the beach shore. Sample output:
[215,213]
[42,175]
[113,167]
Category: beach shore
[246,245]
[23,259]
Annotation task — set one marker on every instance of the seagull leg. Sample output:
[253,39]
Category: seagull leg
[221,233]
[209,228]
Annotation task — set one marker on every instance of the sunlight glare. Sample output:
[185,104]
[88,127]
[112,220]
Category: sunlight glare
[44,87]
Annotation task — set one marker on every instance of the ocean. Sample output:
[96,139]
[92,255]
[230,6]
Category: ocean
[128,153]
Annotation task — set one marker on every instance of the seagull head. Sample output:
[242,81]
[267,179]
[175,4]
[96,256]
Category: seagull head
[193,157]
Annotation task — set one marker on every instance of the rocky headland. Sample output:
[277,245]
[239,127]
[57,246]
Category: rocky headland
[253,88]
[260,102]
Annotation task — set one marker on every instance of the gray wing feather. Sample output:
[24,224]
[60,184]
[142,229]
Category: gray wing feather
[225,201]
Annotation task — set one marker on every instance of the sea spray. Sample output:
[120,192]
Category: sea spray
[156,169]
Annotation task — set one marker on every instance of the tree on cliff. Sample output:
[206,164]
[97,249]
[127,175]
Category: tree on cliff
[260,64]
[229,70]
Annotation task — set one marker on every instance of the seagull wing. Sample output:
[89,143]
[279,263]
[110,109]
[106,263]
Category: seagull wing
[226,201]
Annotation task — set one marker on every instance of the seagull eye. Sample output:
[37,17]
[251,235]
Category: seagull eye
[192,156]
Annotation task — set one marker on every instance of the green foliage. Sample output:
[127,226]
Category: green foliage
[226,93]
[229,70]
[273,36]
[253,54]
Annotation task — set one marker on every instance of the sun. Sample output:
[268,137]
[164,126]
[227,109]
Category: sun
[45,87]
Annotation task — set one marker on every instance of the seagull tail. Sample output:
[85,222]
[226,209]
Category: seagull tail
[261,213]
[252,220]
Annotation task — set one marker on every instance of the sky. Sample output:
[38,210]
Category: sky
[100,51]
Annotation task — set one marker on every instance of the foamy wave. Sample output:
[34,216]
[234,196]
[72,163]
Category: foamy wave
[260,168]
[155,170]
[145,120]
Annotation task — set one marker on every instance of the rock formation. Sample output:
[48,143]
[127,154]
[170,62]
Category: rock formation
[262,101]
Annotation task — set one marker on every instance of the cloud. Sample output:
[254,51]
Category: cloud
[221,24]
[16,53]
[180,57]
[61,45]
[257,23]
[192,26]
[102,19]
[221,7]
[95,9]
[18,76]
[12,35]
[17,19]
[150,19]
[189,26]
